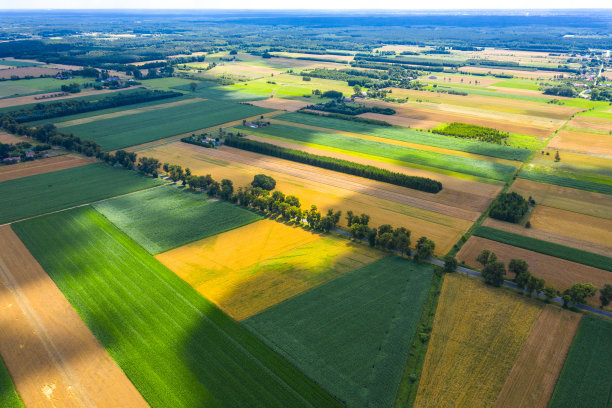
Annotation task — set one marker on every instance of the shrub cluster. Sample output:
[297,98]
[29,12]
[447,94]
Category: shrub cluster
[343,166]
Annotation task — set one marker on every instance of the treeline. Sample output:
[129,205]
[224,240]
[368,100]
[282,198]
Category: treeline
[340,75]
[349,118]
[330,163]
[467,131]
[423,65]
[561,90]
[349,109]
[73,106]
[49,134]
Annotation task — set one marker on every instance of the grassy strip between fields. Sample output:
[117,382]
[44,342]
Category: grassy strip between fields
[547,248]
[409,135]
[43,193]
[567,182]
[586,378]
[8,395]
[176,347]
[414,365]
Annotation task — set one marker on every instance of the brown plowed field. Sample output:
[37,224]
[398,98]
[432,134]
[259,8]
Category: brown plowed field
[569,199]
[556,271]
[42,166]
[557,230]
[53,358]
[406,121]
[280,104]
[535,372]
[582,142]
[444,230]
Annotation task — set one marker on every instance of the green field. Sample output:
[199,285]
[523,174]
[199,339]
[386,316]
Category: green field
[177,348]
[465,165]
[167,217]
[544,247]
[586,379]
[567,182]
[42,193]
[35,85]
[352,335]
[211,90]
[124,131]
[19,64]
[410,135]
[8,395]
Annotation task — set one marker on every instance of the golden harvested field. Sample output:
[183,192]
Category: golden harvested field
[582,142]
[8,138]
[446,78]
[280,104]
[444,230]
[589,123]
[564,198]
[249,269]
[572,158]
[126,112]
[22,72]
[517,73]
[534,375]
[559,231]
[477,336]
[245,69]
[556,271]
[40,166]
[415,120]
[53,358]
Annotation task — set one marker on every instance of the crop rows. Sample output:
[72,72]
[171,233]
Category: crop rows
[567,182]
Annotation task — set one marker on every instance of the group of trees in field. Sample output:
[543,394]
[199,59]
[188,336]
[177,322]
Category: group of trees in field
[71,88]
[510,207]
[49,110]
[49,134]
[467,131]
[330,163]
[350,109]
[561,90]
[493,272]
[357,119]
[351,76]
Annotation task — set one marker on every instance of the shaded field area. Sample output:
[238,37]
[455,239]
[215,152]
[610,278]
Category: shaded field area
[477,336]
[42,193]
[352,335]
[8,396]
[409,135]
[547,248]
[408,155]
[176,347]
[124,131]
[586,377]
[53,357]
[41,166]
[556,271]
[535,372]
[249,269]
[167,217]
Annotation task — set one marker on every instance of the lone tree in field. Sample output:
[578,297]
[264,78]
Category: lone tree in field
[193,86]
[450,264]
[493,273]
[486,257]
[264,182]
[557,157]
[605,295]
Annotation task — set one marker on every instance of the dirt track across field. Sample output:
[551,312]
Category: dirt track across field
[41,166]
[535,372]
[53,358]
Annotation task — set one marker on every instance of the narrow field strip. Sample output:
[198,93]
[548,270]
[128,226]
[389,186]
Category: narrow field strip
[567,182]
[42,166]
[8,395]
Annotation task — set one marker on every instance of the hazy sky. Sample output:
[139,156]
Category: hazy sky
[312,4]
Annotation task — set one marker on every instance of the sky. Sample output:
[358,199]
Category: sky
[311,4]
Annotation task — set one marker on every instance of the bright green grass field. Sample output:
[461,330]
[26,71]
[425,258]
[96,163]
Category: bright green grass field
[545,247]
[35,85]
[465,165]
[177,348]
[586,378]
[352,335]
[409,135]
[579,184]
[42,193]
[164,218]
[124,131]
[8,395]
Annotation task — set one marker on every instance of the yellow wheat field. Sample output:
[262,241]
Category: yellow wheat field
[249,269]
[478,333]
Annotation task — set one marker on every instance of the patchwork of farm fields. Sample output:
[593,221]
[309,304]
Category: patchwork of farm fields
[477,336]
[42,193]
[176,347]
[352,335]
[124,131]
[249,269]
[444,230]
[586,379]
[167,217]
